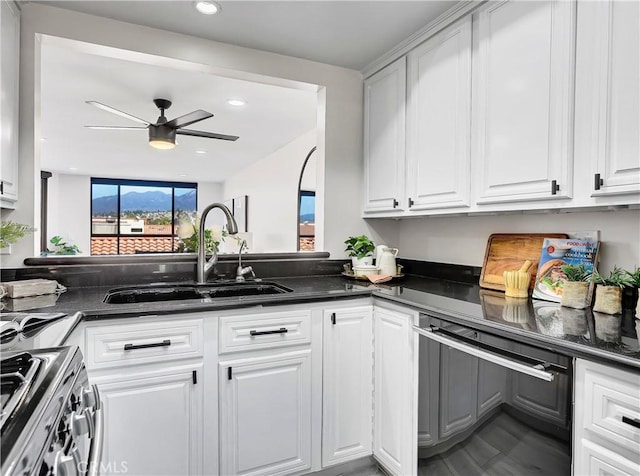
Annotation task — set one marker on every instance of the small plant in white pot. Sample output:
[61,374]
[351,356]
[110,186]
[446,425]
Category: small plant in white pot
[609,291]
[576,288]
[361,249]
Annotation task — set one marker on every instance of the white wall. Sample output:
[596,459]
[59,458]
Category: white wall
[339,127]
[272,187]
[463,240]
[69,210]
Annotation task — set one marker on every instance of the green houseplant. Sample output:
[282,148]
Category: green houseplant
[609,290]
[575,291]
[11,232]
[361,249]
[61,247]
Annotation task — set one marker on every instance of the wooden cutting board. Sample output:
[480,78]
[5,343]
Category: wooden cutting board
[509,251]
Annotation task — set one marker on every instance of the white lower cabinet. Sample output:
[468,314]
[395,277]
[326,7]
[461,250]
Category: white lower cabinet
[606,423]
[265,414]
[395,391]
[347,391]
[153,421]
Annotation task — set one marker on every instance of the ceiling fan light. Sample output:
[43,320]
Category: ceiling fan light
[162,144]
[207,8]
[162,137]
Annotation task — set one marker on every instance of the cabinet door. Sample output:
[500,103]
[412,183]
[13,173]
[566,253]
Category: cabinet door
[615,66]
[428,392]
[596,460]
[265,414]
[523,101]
[394,433]
[458,391]
[10,59]
[384,138]
[491,386]
[347,399]
[153,422]
[439,120]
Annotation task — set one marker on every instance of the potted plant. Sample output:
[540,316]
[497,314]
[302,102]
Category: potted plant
[361,249]
[576,287]
[609,290]
[61,247]
[11,232]
[634,286]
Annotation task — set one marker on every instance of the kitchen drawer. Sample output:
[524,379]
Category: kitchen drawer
[609,396]
[141,343]
[264,331]
[595,460]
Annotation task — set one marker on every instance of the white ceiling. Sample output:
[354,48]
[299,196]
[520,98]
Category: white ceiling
[344,33]
[272,117]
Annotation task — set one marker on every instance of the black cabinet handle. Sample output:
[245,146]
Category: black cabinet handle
[631,421]
[164,343]
[597,182]
[194,377]
[282,330]
[554,187]
[230,373]
[395,203]
[410,202]
[333,318]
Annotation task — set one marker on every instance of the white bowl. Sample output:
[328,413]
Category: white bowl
[362,270]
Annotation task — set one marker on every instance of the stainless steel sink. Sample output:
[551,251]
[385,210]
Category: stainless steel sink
[180,292]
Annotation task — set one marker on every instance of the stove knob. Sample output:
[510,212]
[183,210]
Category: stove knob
[66,465]
[82,423]
[91,397]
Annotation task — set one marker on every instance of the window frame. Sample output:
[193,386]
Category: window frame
[137,183]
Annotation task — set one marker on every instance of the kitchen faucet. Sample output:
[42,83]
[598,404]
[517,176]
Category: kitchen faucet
[204,267]
[240,272]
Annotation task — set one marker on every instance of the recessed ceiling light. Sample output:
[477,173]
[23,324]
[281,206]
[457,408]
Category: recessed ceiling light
[208,8]
[182,175]
[42,139]
[236,102]
[73,168]
[201,151]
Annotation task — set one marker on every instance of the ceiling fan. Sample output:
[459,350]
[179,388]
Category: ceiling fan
[162,134]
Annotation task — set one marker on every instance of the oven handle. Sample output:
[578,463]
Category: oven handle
[95,453]
[486,355]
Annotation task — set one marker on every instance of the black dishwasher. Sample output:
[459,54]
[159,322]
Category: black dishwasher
[489,405]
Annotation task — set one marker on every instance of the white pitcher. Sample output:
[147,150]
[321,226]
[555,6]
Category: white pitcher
[379,250]
[387,261]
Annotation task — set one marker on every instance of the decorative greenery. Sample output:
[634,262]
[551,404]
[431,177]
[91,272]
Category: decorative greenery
[62,247]
[576,272]
[11,232]
[187,231]
[359,246]
[634,278]
[617,277]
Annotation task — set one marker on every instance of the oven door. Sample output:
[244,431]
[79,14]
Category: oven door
[488,405]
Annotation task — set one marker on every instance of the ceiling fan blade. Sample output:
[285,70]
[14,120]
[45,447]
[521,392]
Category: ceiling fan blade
[118,128]
[188,119]
[112,110]
[209,135]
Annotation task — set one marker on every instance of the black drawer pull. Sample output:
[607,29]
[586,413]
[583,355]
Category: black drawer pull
[555,188]
[164,343]
[631,421]
[395,203]
[282,330]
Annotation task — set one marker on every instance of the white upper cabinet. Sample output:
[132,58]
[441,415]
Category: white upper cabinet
[523,101]
[10,60]
[615,97]
[439,120]
[384,138]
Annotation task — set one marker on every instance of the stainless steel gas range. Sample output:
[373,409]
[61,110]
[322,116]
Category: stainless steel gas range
[51,419]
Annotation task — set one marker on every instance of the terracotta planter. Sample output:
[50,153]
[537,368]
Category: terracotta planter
[608,299]
[574,294]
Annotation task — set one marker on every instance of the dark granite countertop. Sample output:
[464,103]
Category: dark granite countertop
[610,339]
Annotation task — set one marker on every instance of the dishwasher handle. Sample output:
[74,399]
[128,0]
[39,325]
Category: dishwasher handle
[536,371]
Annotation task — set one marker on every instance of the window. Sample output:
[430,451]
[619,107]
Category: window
[307,221]
[138,216]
